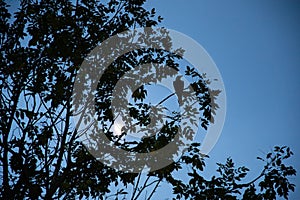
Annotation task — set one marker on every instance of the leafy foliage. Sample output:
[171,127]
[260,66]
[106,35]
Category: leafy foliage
[229,184]
[42,46]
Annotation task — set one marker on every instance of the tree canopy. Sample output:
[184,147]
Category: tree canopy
[43,44]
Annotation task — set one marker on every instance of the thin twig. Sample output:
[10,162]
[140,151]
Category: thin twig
[158,181]
[144,186]
[135,187]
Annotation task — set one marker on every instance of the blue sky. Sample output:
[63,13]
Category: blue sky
[256,47]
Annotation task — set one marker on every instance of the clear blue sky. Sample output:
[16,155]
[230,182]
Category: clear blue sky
[256,47]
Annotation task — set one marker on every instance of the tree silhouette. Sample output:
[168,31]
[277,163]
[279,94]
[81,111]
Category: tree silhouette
[43,45]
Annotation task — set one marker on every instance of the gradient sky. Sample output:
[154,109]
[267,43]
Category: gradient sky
[256,47]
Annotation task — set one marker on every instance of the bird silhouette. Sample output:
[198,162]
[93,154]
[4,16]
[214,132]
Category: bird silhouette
[178,86]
